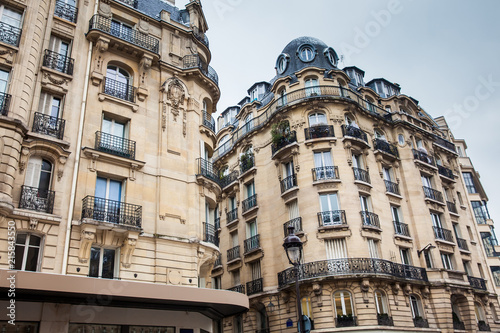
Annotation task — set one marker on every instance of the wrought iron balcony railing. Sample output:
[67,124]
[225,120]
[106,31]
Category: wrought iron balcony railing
[421,156]
[249,202]
[229,179]
[354,132]
[401,228]
[252,243]
[462,244]
[194,61]
[239,289]
[119,90]
[48,125]
[351,266]
[232,215]
[444,171]
[207,170]
[10,34]
[325,173]
[483,327]
[443,234]
[361,175]
[288,183]
[346,321]
[383,319]
[200,36]
[115,145]
[36,199]
[246,163]
[392,187]
[420,322]
[296,223]
[431,193]
[444,143]
[111,211]
[210,234]
[319,131]
[255,286]
[208,121]
[477,283]
[66,11]
[386,147]
[330,218]
[134,37]
[284,141]
[452,207]
[4,104]
[131,3]
[369,219]
[58,62]
[218,261]
[233,253]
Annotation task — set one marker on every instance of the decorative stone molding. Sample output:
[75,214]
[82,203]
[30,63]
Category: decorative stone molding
[23,161]
[87,237]
[143,25]
[7,55]
[60,168]
[33,223]
[128,247]
[105,9]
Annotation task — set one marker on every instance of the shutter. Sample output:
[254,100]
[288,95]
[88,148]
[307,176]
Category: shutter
[33,170]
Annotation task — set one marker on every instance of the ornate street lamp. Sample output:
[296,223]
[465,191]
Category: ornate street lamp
[293,249]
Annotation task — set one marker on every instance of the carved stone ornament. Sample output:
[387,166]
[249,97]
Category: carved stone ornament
[105,9]
[33,224]
[24,159]
[176,93]
[86,240]
[143,25]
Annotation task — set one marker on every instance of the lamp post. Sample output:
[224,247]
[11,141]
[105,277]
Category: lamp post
[293,249]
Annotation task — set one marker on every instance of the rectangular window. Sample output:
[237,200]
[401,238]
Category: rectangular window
[428,259]
[405,256]
[335,248]
[235,276]
[252,229]
[323,164]
[102,263]
[467,267]
[480,212]
[4,81]
[373,248]
[469,182]
[255,270]
[446,258]
[293,209]
[426,181]
[10,17]
[436,220]
[234,238]
[388,174]
[27,252]
[216,282]
[250,187]
[50,105]
[330,210]
[489,243]
[357,161]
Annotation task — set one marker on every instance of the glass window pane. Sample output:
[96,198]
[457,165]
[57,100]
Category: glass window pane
[34,240]
[31,259]
[108,263]
[95,254]
[19,253]
[115,190]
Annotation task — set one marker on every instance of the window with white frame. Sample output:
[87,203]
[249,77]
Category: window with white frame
[381,302]
[330,210]
[323,164]
[312,87]
[373,248]
[4,84]
[27,252]
[102,262]
[118,83]
[405,256]
[335,248]
[39,175]
[416,307]
[343,303]
[317,119]
[446,258]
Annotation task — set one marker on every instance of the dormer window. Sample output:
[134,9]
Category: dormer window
[331,56]
[282,63]
[306,53]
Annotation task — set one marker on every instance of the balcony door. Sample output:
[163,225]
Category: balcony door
[436,221]
[102,263]
[330,209]
[252,229]
[114,135]
[117,83]
[4,82]
[312,87]
[51,107]
[62,48]
[10,17]
[317,119]
[121,30]
[324,165]
[39,175]
[108,193]
[388,174]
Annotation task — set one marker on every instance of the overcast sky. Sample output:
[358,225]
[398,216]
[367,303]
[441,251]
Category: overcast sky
[446,54]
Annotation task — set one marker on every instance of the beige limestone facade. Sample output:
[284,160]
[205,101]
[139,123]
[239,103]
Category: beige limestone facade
[106,108]
[372,185]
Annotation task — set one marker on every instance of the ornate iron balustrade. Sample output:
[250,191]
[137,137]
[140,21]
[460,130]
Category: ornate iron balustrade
[288,183]
[346,321]
[36,199]
[217,223]
[210,234]
[255,286]
[420,322]
[452,207]
[386,147]
[232,215]
[208,121]
[296,223]
[431,193]
[384,319]
[296,96]
[131,3]
[246,163]
[332,217]
[325,173]
[111,211]
[239,289]
[458,325]
[48,125]
[444,143]
[477,283]
[115,145]
[134,37]
[252,243]
[284,141]
[233,253]
[207,170]
[361,175]
[249,202]
[445,172]
[370,219]
[483,327]
[10,34]
[443,234]
[319,131]
[218,261]
[66,11]
[421,156]
[119,89]
[200,36]
[350,266]
[392,187]
[401,228]
[194,61]
[4,104]
[58,62]
[354,132]
[462,244]
[228,179]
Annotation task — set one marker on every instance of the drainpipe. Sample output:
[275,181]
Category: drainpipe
[77,156]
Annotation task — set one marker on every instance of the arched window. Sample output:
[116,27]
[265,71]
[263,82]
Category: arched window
[307,309]
[343,309]
[370,104]
[118,83]
[312,87]
[282,97]
[27,252]
[479,311]
[416,307]
[455,312]
[350,121]
[224,144]
[36,193]
[248,123]
[380,135]
[317,118]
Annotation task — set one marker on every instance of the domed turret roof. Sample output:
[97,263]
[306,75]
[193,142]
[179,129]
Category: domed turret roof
[305,52]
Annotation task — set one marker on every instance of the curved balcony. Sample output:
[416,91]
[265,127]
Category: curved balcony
[111,211]
[392,187]
[319,131]
[288,183]
[207,170]
[354,132]
[336,268]
[361,175]
[370,219]
[443,234]
[423,157]
[10,34]
[283,142]
[433,194]
[194,61]
[210,234]
[66,11]
[445,172]
[386,147]
[296,223]
[239,289]
[4,104]
[297,96]
[47,125]
[200,36]
[208,121]
[477,283]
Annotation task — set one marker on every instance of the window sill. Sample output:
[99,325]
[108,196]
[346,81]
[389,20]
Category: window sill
[40,216]
[250,211]
[133,106]
[49,138]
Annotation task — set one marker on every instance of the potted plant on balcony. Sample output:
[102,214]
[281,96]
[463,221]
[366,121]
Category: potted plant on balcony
[279,132]
[345,320]
[246,160]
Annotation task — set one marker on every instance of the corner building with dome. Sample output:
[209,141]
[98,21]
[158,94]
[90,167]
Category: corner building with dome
[372,186]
